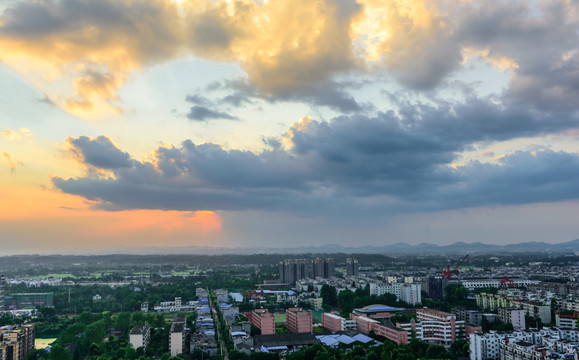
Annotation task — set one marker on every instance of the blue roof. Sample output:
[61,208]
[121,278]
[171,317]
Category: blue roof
[362,338]
[327,340]
[379,308]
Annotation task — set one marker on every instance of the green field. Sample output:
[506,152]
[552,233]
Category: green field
[317,316]
[47,276]
[279,318]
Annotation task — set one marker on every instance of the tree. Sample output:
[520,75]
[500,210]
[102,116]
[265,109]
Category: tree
[346,301]
[329,295]
[123,321]
[436,352]
[57,352]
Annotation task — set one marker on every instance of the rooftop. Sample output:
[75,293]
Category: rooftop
[378,308]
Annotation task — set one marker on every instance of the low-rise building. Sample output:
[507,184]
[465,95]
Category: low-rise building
[566,321]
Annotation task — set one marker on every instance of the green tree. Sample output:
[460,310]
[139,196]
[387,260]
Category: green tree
[346,301]
[329,295]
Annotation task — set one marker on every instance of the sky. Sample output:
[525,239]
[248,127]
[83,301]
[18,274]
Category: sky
[284,123]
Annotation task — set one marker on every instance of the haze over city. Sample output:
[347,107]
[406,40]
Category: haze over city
[159,123]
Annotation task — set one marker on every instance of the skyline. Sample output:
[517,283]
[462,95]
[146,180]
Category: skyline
[135,123]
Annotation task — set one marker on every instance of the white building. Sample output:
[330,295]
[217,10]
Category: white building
[438,327]
[140,336]
[516,317]
[487,346]
[177,335]
[409,293]
[566,321]
[547,343]
[472,284]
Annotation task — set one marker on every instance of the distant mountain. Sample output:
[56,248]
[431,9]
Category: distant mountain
[392,249]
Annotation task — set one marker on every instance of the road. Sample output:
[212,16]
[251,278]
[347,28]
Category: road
[217,323]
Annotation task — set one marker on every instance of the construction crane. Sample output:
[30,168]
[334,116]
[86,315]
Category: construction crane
[447,273]
[507,283]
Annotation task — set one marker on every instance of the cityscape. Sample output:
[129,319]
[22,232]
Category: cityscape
[271,306]
[289,179]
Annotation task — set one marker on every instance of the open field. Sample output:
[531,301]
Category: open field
[42,343]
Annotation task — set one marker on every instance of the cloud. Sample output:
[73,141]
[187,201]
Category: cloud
[99,152]
[198,100]
[13,135]
[201,113]
[293,50]
[94,45]
[236,100]
[402,160]
[540,44]
[328,93]
[9,159]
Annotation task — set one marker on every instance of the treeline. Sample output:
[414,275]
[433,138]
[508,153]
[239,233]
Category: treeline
[39,264]
[348,300]
[388,350]
[130,297]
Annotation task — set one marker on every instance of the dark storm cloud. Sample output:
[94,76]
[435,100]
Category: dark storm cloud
[99,152]
[520,178]
[396,161]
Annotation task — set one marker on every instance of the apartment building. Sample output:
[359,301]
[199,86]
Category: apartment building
[264,321]
[177,335]
[298,320]
[547,343]
[409,293]
[351,267]
[323,268]
[515,317]
[140,336]
[438,327]
[534,309]
[16,341]
[333,322]
[566,321]
[472,284]
[293,270]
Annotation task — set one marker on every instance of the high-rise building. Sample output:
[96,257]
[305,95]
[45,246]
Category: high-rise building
[436,287]
[293,270]
[298,320]
[323,268]
[351,267]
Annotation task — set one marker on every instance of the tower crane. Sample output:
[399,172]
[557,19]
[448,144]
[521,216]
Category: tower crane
[447,273]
